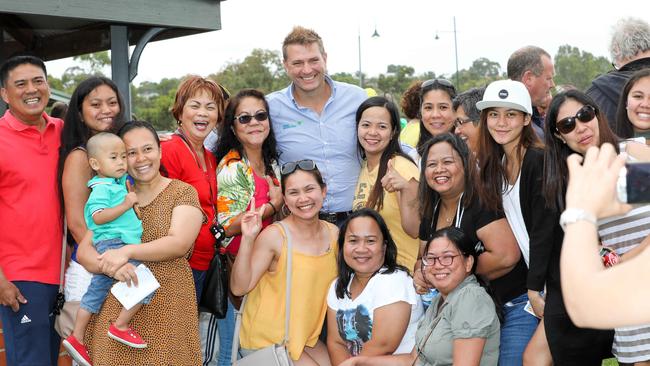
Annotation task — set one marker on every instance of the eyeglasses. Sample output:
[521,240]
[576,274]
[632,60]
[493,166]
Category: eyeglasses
[291,167]
[459,122]
[443,82]
[247,118]
[445,260]
[568,124]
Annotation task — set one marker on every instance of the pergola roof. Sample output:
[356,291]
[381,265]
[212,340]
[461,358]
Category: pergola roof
[65,28]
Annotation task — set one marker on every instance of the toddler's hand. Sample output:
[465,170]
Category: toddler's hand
[131,199]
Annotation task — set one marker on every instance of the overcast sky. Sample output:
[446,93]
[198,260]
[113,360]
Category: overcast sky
[407,29]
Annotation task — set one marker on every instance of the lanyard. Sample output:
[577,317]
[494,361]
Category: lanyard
[208,165]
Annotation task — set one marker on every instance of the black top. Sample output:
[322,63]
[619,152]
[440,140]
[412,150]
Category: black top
[474,217]
[606,89]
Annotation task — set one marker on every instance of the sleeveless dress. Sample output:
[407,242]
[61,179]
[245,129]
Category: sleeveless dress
[169,324]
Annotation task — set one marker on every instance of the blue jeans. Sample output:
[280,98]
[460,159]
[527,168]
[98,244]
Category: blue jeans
[29,333]
[226,327]
[199,280]
[100,284]
[517,329]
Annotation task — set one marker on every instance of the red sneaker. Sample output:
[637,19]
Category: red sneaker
[77,351]
[128,337]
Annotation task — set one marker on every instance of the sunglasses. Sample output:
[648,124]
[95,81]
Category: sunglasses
[443,82]
[247,118]
[459,122]
[568,124]
[306,164]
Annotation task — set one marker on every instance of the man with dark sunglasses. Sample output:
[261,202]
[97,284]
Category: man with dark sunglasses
[314,118]
[630,52]
[534,68]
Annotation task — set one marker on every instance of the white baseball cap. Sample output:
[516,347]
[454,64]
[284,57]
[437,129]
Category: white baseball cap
[507,94]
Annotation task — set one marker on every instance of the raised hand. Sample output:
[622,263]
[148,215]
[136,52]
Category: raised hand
[392,180]
[132,199]
[251,221]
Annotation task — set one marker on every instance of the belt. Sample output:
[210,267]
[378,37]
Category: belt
[333,217]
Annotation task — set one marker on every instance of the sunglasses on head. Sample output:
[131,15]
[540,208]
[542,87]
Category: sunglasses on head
[306,164]
[443,82]
[247,118]
[568,124]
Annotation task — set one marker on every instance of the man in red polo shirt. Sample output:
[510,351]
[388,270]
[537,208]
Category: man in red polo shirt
[30,214]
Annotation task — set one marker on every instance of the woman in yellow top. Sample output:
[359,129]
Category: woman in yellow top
[388,181]
[260,269]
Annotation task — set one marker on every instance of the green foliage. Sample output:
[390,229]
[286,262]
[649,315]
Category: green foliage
[346,77]
[396,79]
[152,102]
[88,65]
[578,68]
[262,70]
[481,73]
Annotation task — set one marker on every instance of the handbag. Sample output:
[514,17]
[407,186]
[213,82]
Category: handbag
[65,311]
[275,354]
[214,298]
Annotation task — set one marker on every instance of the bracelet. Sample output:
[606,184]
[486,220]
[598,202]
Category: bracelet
[273,207]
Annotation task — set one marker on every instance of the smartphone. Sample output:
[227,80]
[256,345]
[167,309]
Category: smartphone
[633,184]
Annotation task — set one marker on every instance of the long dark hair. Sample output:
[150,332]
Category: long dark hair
[229,141]
[390,256]
[427,196]
[492,171]
[425,135]
[75,132]
[376,197]
[623,126]
[556,173]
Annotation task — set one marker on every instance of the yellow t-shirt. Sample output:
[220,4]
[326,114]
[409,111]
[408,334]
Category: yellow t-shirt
[263,317]
[407,247]
[411,133]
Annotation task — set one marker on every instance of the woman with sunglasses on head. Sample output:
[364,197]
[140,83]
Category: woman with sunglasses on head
[511,162]
[574,123]
[372,306]
[436,109]
[246,154]
[261,264]
[633,115]
[461,326]
[388,179]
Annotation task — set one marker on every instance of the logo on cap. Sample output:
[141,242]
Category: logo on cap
[503,94]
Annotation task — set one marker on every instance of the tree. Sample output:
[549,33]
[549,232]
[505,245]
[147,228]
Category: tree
[396,79]
[262,70]
[482,72]
[152,102]
[578,68]
[346,77]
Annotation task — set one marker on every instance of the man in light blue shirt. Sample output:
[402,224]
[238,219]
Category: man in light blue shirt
[314,118]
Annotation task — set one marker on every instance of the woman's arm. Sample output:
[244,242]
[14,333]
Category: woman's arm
[185,224]
[406,359]
[388,327]
[76,173]
[336,347]
[501,249]
[468,351]
[256,252]
[87,255]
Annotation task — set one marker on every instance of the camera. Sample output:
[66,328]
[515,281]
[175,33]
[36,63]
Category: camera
[218,232]
[633,185]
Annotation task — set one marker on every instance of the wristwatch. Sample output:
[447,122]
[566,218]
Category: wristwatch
[573,215]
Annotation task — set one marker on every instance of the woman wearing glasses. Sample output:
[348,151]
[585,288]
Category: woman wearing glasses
[260,268]
[246,154]
[461,326]
[511,162]
[467,116]
[388,181]
[574,124]
[436,112]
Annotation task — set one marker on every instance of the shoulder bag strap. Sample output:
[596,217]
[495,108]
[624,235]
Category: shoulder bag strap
[63,253]
[235,339]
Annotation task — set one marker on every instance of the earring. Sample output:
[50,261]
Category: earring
[285,210]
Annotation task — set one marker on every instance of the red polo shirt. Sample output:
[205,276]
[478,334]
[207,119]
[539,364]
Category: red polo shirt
[30,211]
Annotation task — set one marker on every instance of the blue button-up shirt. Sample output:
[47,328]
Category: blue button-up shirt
[329,139]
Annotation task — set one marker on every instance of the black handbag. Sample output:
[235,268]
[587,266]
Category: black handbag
[214,298]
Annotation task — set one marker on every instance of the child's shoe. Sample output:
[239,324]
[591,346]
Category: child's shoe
[77,351]
[128,337]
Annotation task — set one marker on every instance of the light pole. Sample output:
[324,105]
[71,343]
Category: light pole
[455,47]
[375,34]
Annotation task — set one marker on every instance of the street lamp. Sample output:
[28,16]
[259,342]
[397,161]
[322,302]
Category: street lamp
[455,47]
[375,34]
